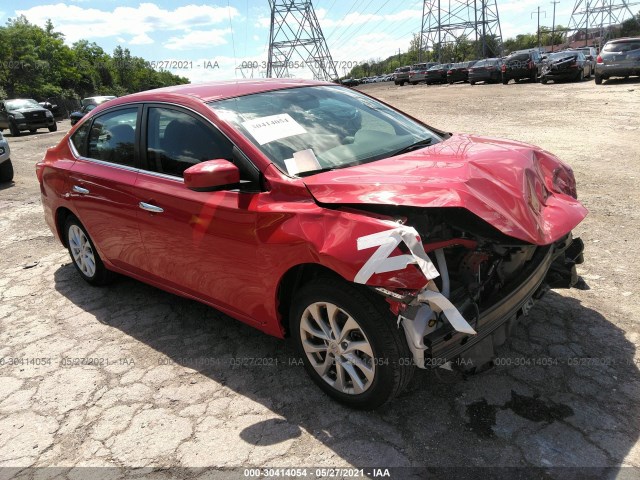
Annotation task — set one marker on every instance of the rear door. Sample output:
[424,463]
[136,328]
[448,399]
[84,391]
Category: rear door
[101,185]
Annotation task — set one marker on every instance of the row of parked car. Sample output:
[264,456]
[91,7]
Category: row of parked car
[618,58]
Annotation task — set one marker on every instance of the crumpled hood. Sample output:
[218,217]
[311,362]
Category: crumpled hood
[508,184]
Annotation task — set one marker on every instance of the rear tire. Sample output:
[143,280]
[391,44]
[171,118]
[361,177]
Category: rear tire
[581,75]
[598,79]
[6,171]
[33,130]
[472,83]
[544,80]
[350,343]
[505,81]
[84,255]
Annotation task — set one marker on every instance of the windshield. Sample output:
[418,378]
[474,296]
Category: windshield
[21,103]
[309,129]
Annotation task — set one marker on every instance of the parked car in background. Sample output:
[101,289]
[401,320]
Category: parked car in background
[6,167]
[233,194]
[522,64]
[459,72]
[22,114]
[437,74]
[591,54]
[52,107]
[565,65]
[418,72]
[618,58]
[96,100]
[487,70]
[350,82]
[401,75]
[89,104]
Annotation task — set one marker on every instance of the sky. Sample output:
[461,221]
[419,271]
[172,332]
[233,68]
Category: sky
[214,40]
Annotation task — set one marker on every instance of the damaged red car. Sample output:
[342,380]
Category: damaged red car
[308,210]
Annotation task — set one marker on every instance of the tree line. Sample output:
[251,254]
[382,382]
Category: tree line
[36,63]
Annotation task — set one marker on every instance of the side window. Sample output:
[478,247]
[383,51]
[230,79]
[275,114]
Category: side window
[177,140]
[79,138]
[112,137]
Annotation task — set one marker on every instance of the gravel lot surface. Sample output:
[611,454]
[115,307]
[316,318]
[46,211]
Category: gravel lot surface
[169,382]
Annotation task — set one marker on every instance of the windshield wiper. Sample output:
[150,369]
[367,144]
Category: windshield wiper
[414,146]
[313,172]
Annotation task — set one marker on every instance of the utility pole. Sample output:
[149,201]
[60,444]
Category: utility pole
[295,29]
[448,22]
[545,16]
[553,25]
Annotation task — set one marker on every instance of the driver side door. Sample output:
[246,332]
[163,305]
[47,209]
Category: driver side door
[201,244]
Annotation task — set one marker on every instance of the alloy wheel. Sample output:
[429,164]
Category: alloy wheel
[337,348]
[81,251]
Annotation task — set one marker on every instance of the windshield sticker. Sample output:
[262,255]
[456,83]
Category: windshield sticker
[302,161]
[273,127]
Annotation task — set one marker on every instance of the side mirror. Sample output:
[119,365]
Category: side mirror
[212,175]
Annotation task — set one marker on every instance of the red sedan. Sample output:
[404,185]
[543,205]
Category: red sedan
[312,211]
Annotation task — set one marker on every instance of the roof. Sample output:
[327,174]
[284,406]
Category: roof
[210,91]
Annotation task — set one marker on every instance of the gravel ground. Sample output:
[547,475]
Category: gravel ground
[167,385]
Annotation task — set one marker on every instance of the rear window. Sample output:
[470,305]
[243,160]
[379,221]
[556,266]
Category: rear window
[518,56]
[621,46]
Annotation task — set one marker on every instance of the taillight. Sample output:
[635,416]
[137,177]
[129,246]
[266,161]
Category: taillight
[599,59]
[450,71]
[530,65]
[503,68]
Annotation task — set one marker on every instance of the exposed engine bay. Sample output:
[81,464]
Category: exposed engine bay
[490,278]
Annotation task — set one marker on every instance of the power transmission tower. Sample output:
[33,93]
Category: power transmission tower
[595,19]
[295,29]
[450,22]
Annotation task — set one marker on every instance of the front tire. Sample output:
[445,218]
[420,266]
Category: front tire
[53,128]
[13,128]
[84,254]
[6,171]
[598,79]
[350,344]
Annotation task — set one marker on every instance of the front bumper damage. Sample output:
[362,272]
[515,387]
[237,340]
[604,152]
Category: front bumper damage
[439,336]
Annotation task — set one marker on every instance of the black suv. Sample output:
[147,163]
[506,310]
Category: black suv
[618,58]
[25,114]
[522,64]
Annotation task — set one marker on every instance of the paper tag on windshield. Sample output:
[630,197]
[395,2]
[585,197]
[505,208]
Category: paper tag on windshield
[302,161]
[273,127]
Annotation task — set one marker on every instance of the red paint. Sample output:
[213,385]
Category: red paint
[231,250]
[214,173]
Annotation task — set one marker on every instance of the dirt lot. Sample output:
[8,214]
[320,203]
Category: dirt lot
[167,386]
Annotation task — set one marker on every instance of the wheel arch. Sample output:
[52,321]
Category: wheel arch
[62,214]
[293,279]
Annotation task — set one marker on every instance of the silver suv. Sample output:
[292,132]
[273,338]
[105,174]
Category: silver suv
[618,58]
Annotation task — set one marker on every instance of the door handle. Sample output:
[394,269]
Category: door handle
[81,190]
[150,208]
